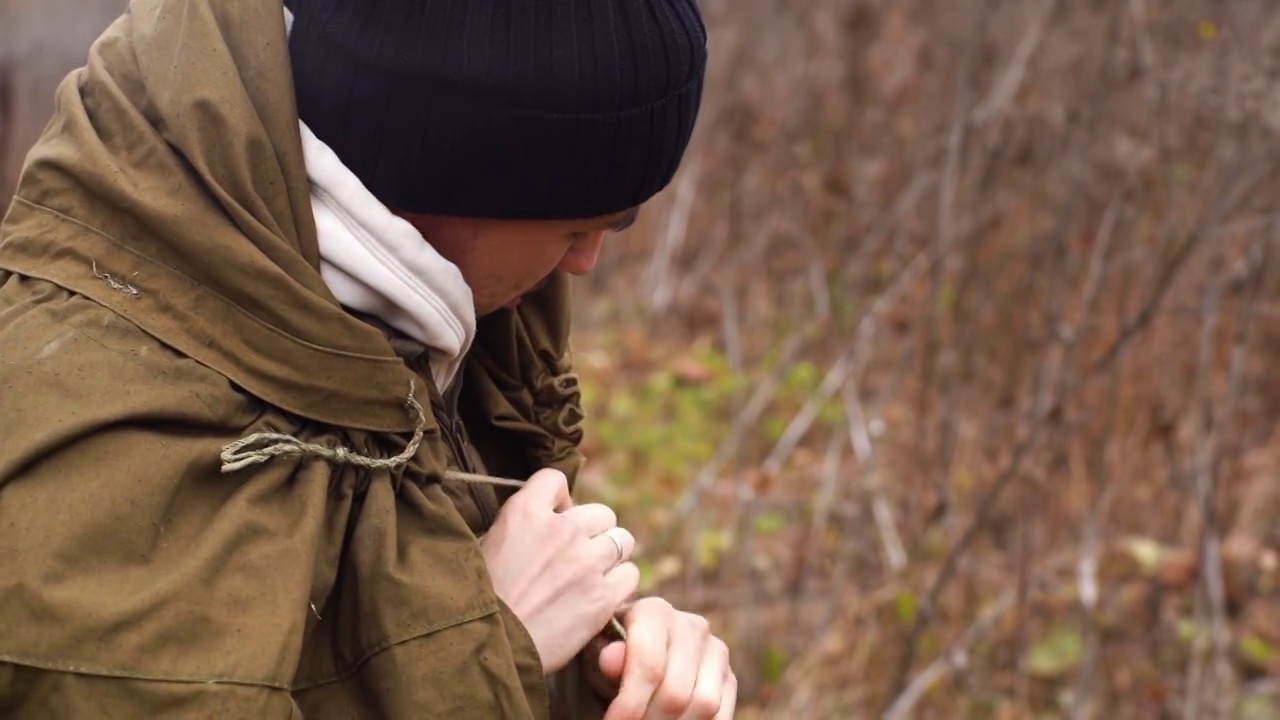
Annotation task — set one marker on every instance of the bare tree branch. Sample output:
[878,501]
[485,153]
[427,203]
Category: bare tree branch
[956,656]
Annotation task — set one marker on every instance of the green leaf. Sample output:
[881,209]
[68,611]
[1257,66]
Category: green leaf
[773,428]
[831,414]
[647,580]
[1146,552]
[773,663]
[906,607]
[769,522]
[800,380]
[1056,654]
[1257,651]
[1186,629]
[1257,707]
[946,297]
[710,546]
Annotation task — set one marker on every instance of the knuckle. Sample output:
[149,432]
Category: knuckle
[655,605]
[650,672]
[706,703]
[566,533]
[619,585]
[628,709]
[719,647]
[672,700]
[516,504]
[629,578]
[607,513]
[554,476]
[698,624]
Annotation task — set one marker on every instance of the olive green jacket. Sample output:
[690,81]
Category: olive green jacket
[160,300]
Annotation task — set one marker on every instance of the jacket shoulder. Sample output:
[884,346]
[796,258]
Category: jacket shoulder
[69,366]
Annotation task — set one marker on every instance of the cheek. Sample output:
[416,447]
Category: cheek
[581,257]
[523,272]
[547,262]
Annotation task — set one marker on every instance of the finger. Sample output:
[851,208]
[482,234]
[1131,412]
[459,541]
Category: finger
[622,582]
[687,647]
[729,701]
[604,684]
[612,657]
[612,547]
[709,691]
[592,518]
[646,661]
[547,488]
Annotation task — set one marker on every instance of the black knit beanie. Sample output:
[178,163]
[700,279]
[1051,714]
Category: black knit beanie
[514,109]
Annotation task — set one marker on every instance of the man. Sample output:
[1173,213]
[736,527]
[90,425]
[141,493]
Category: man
[283,322]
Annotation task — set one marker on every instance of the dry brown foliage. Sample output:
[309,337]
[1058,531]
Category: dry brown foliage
[1031,249]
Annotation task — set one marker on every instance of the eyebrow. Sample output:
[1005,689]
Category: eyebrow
[625,221]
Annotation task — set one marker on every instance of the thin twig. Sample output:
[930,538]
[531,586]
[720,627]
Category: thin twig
[1100,488]
[952,562]
[1104,488]
[828,493]
[903,206]
[744,422]
[1171,270]
[881,512]
[848,365]
[660,276]
[956,655]
[1146,49]
[995,108]
[1208,452]
[1204,472]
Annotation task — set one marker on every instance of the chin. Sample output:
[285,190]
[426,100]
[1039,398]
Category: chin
[491,309]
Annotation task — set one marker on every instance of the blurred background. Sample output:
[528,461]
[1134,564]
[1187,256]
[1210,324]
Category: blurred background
[944,378]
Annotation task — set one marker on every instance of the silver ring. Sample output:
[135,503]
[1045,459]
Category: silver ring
[617,544]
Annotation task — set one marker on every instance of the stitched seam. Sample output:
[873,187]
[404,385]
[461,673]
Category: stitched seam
[146,677]
[393,641]
[246,315]
[377,649]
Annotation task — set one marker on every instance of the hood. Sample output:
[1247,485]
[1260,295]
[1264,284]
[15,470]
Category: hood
[171,187]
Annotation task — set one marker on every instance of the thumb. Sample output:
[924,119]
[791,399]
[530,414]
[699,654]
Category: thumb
[548,488]
[612,659]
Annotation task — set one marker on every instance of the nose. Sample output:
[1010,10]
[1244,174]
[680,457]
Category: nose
[582,256]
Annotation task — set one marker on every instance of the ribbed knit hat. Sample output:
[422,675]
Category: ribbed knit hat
[515,109]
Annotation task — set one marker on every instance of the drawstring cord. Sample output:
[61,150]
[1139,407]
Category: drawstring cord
[260,447]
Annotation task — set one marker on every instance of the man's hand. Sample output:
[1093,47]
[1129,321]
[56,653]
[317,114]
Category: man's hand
[558,566]
[671,667]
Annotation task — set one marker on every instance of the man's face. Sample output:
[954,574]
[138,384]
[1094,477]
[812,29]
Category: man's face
[502,260]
